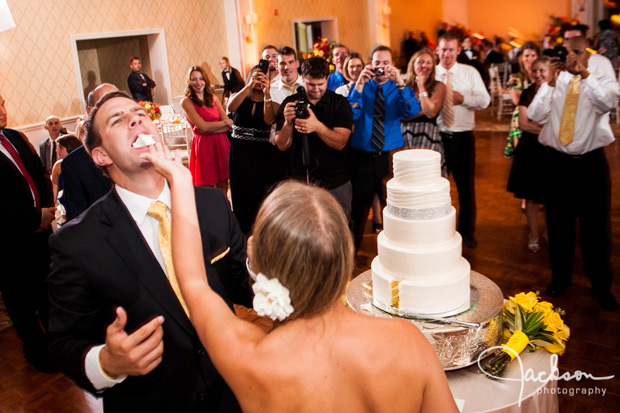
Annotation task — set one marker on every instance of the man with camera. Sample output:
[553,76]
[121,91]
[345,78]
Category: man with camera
[313,126]
[379,99]
[573,107]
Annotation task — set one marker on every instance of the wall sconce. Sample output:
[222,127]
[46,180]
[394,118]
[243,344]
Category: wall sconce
[385,15]
[6,20]
[250,22]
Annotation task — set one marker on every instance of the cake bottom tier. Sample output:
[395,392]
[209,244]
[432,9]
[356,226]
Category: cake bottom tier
[439,294]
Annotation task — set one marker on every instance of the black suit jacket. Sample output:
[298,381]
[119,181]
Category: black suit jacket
[83,182]
[20,217]
[139,92]
[46,155]
[99,261]
[234,84]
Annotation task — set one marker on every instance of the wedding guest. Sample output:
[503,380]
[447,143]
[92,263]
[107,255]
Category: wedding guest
[47,147]
[313,359]
[64,146]
[140,85]
[208,160]
[270,53]
[353,66]
[255,163]
[421,130]
[521,80]
[526,171]
[337,79]
[578,184]
[27,210]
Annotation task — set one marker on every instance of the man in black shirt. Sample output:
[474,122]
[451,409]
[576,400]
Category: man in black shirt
[327,130]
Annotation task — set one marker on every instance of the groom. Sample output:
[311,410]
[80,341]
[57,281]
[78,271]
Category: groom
[118,328]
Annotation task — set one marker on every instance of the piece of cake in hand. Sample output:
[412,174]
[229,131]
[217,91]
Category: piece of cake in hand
[143,140]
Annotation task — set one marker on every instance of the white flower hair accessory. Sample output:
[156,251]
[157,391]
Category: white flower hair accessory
[271,298]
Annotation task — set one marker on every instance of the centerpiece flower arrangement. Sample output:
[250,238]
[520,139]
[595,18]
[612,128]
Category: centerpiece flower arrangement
[558,24]
[528,322]
[152,109]
[322,48]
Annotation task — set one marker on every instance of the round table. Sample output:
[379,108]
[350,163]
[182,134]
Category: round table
[530,384]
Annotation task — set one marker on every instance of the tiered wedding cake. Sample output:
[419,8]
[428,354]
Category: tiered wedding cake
[419,269]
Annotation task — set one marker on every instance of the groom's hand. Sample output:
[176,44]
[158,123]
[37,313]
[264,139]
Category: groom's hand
[134,354]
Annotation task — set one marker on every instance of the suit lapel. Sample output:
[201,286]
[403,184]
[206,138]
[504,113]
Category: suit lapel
[126,240]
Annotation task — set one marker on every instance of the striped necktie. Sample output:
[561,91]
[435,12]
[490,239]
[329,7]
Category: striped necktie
[158,211]
[22,168]
[569,112]
[448,103]
[378,117]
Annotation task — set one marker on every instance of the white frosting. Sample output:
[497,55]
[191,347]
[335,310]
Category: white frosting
[435,295]
[420,264]
[143,140]
[419,232]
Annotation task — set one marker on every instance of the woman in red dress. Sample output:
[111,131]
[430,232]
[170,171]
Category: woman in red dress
[208,160]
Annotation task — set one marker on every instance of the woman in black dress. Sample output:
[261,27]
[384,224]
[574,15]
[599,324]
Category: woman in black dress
[525,173]
[255,164]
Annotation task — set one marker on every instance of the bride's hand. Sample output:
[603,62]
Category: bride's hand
[167,165]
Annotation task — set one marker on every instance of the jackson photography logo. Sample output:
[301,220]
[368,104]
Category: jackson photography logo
[529,375]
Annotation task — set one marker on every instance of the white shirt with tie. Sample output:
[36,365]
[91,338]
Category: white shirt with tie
[467,81]
[137,205]
[598,95]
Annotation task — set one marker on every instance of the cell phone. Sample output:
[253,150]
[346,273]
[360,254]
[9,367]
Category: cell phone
[263,66]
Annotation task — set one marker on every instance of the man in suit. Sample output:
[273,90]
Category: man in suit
[233,82]
[47,148]
[83,181]
[140,85]
[117,326]
[26,208]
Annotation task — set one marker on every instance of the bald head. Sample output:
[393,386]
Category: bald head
[53,126]
[97,93]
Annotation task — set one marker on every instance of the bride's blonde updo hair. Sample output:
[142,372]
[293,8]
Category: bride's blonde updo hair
[301,237]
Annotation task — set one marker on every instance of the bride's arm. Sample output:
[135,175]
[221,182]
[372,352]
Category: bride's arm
[229,340]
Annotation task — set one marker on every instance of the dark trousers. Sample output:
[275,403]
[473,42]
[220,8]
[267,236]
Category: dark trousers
[578,188]
[368,170]
[460,153]
[22,284]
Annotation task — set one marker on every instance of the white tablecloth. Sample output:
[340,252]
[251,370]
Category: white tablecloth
[474,392]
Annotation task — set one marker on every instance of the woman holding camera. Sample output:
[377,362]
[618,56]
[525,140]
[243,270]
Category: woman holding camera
[320,356]
[255,163]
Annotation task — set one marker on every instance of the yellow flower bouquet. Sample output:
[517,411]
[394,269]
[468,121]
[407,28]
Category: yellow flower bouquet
[528,322]
[151,108]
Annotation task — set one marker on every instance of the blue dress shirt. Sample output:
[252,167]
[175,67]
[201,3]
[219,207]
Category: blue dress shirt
[335,80]
[399,103]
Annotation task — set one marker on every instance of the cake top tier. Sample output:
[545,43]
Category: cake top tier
[417,167]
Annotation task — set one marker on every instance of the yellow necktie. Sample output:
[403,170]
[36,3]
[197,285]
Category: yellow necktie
[567,124]
[158,211]
[448,103]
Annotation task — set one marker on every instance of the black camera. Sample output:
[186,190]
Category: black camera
[263,66]
[377,71]
[301,107]
[559,52]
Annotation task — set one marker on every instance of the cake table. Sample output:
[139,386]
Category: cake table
[457,339]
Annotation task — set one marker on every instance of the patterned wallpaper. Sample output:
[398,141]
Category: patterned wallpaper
[277,30]
[37,72]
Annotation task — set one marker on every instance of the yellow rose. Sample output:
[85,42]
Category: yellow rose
[509,305]
[543,306]
[563,333]
[526,301]
[507,333]
[553,321]
[556,348]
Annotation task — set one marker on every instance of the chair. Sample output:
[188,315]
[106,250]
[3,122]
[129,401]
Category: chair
[166,111]
[500,98]
[174,136]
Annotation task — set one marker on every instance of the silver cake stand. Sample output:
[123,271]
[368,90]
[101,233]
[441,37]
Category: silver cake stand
[457,339]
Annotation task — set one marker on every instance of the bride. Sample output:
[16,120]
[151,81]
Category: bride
[320,356]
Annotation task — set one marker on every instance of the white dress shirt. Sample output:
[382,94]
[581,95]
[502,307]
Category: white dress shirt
[467,81]
[137,205]
[598,95]
[279,91]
